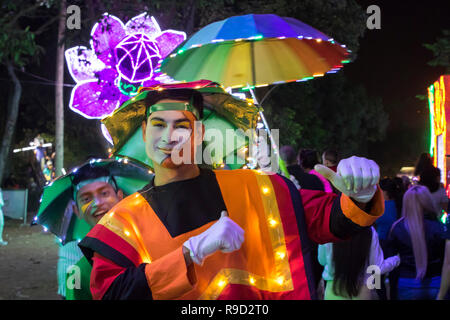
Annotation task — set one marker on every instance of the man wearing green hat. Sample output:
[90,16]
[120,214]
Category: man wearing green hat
[95,192]
[195,233]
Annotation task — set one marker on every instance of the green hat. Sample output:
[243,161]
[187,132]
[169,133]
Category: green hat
[55,211]
[221,111]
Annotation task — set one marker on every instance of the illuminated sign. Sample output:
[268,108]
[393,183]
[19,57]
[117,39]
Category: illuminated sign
[439,105]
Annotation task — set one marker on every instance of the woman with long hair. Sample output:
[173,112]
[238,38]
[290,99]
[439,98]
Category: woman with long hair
[424,162]
[419,238]
[431,178]
[346,266]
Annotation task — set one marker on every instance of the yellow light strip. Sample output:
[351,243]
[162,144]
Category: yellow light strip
[281,279]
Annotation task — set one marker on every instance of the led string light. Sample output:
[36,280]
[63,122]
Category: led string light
[281,279]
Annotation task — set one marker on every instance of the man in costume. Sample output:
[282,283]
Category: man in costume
[95,193]
[195,233]
[72,204]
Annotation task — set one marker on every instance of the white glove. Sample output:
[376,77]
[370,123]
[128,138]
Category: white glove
[356,177]
[224,235]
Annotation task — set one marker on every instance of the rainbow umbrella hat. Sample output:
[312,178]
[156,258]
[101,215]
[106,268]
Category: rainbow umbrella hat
[256,50]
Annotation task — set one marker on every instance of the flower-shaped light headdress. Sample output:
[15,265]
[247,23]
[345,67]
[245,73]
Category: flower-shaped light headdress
[121,59]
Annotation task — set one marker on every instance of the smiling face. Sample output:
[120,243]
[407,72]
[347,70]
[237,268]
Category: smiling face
[94,200]
[167,135]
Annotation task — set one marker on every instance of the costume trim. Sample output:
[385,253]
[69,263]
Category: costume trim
[111,246]
[358,216]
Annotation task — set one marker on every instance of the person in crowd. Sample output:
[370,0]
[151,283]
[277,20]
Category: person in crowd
[195,233]
[11,182]
[431,178]
[346,266]
[401,185]
[444,292]
[419,238]
[305,180]
[49,171]
[392,208]
[406,183]
[330,158]
[2,220]
[308,159]
[424,162]
[39,152]
[385,222]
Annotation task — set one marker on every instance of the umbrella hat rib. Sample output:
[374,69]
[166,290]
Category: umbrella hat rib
[238,27]
[238,67]
[208,34]
[273,26]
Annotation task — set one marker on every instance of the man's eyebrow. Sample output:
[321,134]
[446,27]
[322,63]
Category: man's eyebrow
[157,119]
[85,193]
[176,121]
[182,120]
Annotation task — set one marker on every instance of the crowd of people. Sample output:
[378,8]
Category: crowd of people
[409,243]
[328,228]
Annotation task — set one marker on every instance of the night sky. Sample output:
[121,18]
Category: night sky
[392,63]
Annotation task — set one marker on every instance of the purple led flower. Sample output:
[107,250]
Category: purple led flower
[136,55]
[121,59]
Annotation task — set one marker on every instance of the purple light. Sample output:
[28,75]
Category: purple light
[136,56]
[122,57]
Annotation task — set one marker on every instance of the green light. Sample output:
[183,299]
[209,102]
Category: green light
[259,37]
[431,106]
[444,218]
[180,51]
[247,88]
[345,61]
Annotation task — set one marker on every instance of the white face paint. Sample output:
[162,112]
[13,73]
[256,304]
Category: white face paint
[166,132]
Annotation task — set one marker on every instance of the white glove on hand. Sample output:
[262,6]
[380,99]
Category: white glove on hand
[224,235]
[356,177]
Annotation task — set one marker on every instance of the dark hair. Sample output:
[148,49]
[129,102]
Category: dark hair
[388,185]
[308,158]
[394,188]
[89,171]
[350,258]
[331,155]
[189,95]
[430,178]
[424,162]
[288,154]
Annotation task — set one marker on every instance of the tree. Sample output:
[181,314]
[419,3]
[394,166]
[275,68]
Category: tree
[441,51]
[17,47]
[59,99]
[327,112]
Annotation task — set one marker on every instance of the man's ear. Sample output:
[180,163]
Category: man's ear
[120,194]
[76,211]
[144,127]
